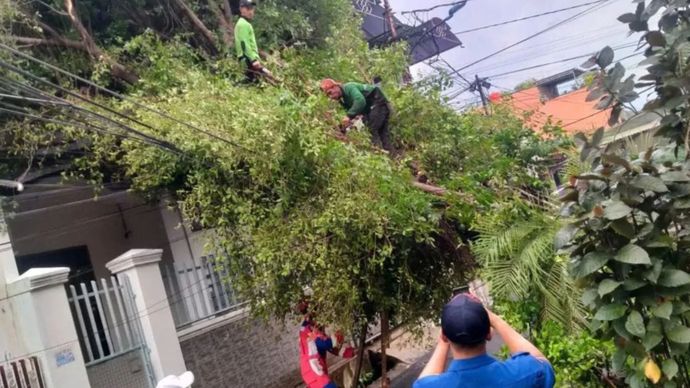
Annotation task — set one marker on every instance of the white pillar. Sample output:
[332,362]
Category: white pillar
[8,265]
[43,326]
[140,267]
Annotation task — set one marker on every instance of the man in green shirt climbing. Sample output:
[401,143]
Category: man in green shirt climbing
[366,101]
[245,43]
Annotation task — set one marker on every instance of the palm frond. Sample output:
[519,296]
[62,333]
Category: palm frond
[519,260]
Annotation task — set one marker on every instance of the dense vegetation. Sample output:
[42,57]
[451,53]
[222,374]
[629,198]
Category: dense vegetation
[288,204]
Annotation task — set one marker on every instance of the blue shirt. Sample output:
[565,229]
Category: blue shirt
[521,370]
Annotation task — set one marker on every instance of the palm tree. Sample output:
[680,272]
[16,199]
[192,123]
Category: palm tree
[518,258]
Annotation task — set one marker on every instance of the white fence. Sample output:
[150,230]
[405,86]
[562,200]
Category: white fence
[198,291]
[23,373]
[106,319]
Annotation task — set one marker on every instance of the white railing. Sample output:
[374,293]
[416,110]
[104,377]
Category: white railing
[22,373]
[198,290]
[106,319]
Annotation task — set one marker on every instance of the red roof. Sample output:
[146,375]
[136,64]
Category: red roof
[570,110]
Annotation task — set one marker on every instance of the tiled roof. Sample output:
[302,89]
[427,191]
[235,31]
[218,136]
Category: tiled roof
[571,110]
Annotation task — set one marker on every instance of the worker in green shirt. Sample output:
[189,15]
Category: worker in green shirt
[245,43]
[365,101]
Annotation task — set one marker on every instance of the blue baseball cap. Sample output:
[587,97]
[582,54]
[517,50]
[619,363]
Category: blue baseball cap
[247,3]
[465,321]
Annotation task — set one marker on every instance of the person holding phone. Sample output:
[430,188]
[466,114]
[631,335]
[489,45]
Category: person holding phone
[465,329]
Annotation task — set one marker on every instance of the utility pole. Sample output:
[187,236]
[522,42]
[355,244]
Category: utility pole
[389,20]
[478,86]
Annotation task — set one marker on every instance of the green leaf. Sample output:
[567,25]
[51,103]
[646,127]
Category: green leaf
[653,273]
[589,296]
[635,349]
[633,284]
[679,334]
[564,236]
[655,39]
[597,137]
[610,312]
[670,368]
[654,326]
[682,204]
[605,57]
[617,160]
[663,310]
[627,18]
[633,254]
[590,263]
[675,176]
[674,278]
[619,327]
[619,359]
[607,286]
[635,324]
[649,183]
[679,349]
[651,340]
[616,210]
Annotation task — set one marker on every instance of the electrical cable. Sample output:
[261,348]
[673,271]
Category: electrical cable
[532,36]
[526,18]
[15,69]
[117,95]
[432,8]
[494,76]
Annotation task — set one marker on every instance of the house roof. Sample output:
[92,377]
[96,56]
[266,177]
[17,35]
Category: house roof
[563,76]
[572,111]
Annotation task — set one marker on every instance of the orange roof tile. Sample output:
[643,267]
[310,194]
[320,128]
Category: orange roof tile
[571,110]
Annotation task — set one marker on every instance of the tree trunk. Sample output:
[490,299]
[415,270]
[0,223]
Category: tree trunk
[385,333]
[226,24]
[360,355]
[199,26]
[116,69]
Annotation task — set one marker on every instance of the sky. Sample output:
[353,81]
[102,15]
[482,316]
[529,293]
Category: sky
[585,35]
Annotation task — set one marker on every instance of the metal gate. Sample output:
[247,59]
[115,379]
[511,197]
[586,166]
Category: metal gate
[110,334]
[22,373]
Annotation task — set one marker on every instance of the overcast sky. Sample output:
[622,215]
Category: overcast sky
[587,34]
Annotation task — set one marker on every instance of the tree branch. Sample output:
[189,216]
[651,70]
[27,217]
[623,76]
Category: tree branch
[50,7]
[49,42]
[116,69]
[199,26]
[224,15]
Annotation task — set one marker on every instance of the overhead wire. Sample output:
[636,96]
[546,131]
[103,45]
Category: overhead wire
[495,76]
[101,117]
[526,18]
[534,35]
[118,95]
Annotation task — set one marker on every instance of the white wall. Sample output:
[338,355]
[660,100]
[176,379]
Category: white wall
[66,217]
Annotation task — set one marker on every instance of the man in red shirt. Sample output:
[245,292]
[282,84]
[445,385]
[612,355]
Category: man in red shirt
[314,346]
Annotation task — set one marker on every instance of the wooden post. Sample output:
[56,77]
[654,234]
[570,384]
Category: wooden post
[385,333]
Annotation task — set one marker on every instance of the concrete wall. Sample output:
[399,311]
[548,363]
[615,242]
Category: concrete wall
[67,217]
[243,353]
[124,371]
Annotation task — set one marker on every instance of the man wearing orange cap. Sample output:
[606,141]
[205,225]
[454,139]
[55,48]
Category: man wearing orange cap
[362,100]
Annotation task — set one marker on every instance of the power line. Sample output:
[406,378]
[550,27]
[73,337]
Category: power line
[527,17]
[432,8]
[495,76]
[148,138]
[530,37]
[118,95]
[560,61]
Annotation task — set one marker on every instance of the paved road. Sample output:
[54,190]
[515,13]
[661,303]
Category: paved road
[407,378]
